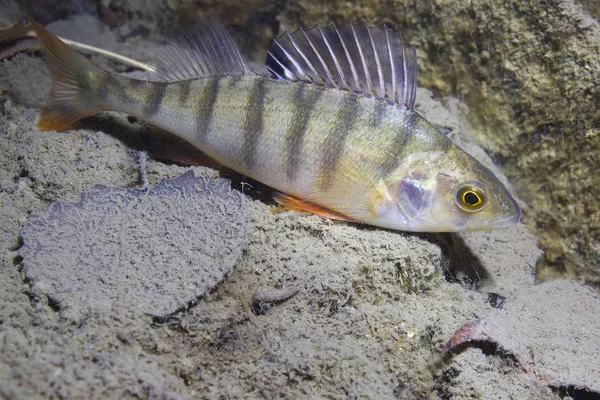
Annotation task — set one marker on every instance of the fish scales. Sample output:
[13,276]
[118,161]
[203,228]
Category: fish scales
[351,148]
[231,120]
[270,126]
[302,103]
[255,117]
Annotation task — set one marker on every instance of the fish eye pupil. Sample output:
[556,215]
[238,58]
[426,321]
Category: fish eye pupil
[471,198]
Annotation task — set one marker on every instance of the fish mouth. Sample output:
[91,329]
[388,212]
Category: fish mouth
[512,220]
[498,223]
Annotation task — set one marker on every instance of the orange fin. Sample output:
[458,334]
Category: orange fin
[300,205]
[70,98]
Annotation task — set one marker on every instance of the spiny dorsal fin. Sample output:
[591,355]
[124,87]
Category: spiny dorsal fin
[358,58]
[203,51]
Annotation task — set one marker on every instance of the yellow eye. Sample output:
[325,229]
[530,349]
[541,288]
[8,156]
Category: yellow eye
[470,198]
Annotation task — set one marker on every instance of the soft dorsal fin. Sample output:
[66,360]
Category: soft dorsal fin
[205,50]
[359,58]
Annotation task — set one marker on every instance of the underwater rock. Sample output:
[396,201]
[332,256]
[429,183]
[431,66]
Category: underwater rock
[549,331]
[503,275]
[155,250]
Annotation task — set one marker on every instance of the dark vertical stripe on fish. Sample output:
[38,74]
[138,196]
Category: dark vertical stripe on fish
[378,112]
[206,104]
[335,142]
[155,91]
[109,85]
[304,100]
[252,128]
[393,156]
[184,92]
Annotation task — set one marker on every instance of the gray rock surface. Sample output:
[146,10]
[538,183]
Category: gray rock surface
[372,317]
[553,347]
[156,249]
[538,337]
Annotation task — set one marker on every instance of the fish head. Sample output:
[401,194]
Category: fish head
[444,192]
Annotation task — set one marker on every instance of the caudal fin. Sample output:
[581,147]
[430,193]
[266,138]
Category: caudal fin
[70,97]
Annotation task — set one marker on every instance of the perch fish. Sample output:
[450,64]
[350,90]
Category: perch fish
[333,128]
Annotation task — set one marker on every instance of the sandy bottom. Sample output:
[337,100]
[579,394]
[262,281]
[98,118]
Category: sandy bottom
[374,311]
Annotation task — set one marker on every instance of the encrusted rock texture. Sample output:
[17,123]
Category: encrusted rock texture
[375,309]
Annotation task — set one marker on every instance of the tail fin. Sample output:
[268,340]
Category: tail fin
[70,97]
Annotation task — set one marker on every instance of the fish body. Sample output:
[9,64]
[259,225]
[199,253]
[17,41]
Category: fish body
[350,148]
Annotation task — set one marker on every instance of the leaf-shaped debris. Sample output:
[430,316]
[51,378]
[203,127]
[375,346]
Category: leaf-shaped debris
[155,249]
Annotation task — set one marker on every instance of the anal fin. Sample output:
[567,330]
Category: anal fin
[300,205]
